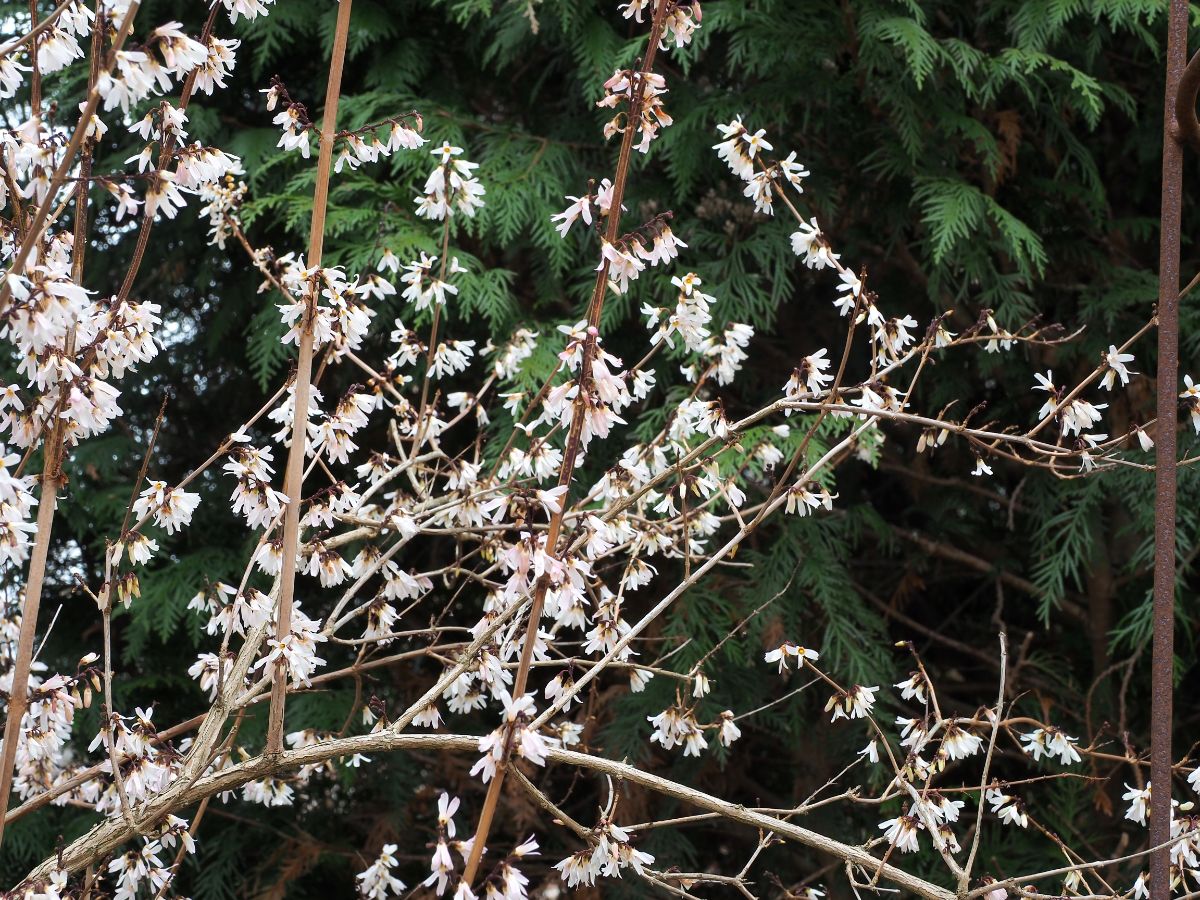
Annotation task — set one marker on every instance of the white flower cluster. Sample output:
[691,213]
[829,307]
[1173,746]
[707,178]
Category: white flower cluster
[642,91]
[327,303]
[298,649]
[451,187]
[16,501]
[362,145]
[148,767]
[43,756]
[526,743]
[377,882]
[393,461]
[612,852]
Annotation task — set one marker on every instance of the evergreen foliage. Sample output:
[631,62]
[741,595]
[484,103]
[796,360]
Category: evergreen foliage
[994,155]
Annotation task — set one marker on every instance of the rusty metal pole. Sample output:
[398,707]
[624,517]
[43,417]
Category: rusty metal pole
[1162,666]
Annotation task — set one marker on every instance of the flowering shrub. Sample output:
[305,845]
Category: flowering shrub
[391,526]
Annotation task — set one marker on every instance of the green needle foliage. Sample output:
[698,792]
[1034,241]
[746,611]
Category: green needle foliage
[994,155]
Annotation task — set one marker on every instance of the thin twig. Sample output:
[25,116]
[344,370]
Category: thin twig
[964,879]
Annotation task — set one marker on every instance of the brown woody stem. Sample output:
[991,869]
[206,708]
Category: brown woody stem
[51,469]
[294,478]
[595,307]
[60,174]
[18,700]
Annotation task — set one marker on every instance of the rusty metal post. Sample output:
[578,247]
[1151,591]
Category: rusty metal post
[1162,666]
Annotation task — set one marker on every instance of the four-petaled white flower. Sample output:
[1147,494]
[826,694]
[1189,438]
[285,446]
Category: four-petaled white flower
[787,650]
[1051,742]
[1116,368]
[902,832]
[855,703]
[1010,809]
[1139,803]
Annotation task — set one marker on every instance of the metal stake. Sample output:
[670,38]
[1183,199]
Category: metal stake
[1162,665]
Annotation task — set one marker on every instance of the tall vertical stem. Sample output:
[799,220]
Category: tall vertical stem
[38,221]
[571,453]
[35,77]
[293,484]
[1162,666]
[51,467]
[18,700]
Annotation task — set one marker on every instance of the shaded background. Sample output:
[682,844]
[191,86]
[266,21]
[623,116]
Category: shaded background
[972,155]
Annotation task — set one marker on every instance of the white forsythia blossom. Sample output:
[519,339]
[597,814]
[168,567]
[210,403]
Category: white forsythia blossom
[804,498]
[16,501]
[612,853]
[442,863]
[1114,361]
[253,497]
[689,319]
[452,357]
[729,732]
[787,650]
[902,832]
[1010,809]
[339,315]
[508,357]
[744,152]
[1051,742]
[855,703]
[1191,401]
[913,688]
[735,149]
[451,187]
[377,882]
[589,208]
[958,743]
[851,290]
[621,264]
[140,869]
[507,882]
[1139,803]
[809,242]
[268,792]
[809,378]
[298,649]
[423,287]
[171,507]
[675,726]
[249,9]
[621,89]
[526,743]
